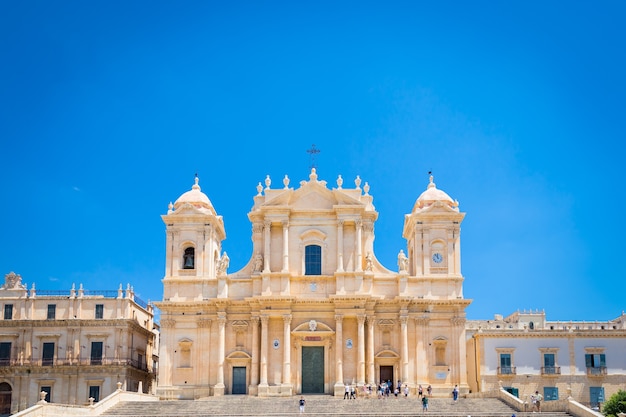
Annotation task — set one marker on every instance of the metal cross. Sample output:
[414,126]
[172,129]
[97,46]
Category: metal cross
[313,151]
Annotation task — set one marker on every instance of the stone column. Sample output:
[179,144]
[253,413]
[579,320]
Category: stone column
[287,350]
[219,386]
[254,371]
[421,356]
[285,246]
[371,371]
[204,328]
[266,246]
[264,341]
[360,371]
[405,348]
[358,245]
[340,245]
[339,354]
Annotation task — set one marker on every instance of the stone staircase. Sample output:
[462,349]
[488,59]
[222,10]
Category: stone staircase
[321,405]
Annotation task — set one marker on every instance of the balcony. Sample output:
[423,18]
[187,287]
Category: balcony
[596,371]
[550,370]
[95,362]
[507,370]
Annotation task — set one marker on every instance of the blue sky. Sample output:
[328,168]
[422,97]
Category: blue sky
[109,108]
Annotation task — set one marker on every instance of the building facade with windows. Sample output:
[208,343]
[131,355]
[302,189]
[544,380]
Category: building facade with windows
[72,345]
[313,309]
[524,353]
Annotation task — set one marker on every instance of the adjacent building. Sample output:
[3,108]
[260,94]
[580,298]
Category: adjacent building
[524,353]
[313,309]
[72,345]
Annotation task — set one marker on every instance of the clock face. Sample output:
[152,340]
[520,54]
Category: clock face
[437,258]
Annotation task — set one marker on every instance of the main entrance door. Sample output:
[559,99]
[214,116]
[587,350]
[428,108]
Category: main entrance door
[239,380]
[386,373]
[312,369]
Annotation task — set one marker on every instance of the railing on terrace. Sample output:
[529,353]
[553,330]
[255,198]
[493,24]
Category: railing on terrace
[91,293]
[596,371]
[550,370]
[134,363]
[507,370]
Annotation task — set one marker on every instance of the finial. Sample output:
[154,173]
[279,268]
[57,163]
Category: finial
[431,184]
[366,188]
[339,182]
[357,182]
[196,186]
[259,188]
[268,182]
[286,182]
[313,175]
[170,207]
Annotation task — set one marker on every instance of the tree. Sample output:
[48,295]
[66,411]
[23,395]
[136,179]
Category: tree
[616,404]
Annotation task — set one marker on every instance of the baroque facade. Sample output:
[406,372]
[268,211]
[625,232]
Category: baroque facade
[313,309]
[74,346]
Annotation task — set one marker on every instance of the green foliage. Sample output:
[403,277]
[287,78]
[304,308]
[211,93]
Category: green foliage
[616,404]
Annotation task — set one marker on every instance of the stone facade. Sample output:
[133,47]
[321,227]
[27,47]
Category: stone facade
[73,345]
[524,353]
[313,309]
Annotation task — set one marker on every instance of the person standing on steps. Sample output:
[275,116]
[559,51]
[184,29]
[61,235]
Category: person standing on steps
[429,390]
[455,393]
[302,403]
[346,395]
[424,403]
[420,391]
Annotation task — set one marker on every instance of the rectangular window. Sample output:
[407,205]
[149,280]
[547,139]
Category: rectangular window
[94,392]
[549,364]
[48,391]
[99,311]
[8,311]
[5,353]
[596,396]
[505,363]
[47,357]
[52,311]
[96,353]
[550,393]
[595,363]
[313,260]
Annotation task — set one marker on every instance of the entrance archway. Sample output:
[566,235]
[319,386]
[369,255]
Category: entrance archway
[6,393]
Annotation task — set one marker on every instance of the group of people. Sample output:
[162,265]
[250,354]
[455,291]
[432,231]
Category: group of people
[385,388]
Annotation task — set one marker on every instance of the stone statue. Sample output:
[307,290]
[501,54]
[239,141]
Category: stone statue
[369,261]
[403,262]
[222,264]
[258,262]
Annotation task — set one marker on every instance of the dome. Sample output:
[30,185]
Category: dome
[195,197]
[433,194]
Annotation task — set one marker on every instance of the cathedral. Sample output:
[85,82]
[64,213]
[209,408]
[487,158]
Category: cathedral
[313,310]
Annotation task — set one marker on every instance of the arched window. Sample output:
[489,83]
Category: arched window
[313,260]
[189,258]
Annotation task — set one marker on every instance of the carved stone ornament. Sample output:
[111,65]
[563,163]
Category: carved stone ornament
[312,325]
[13,281]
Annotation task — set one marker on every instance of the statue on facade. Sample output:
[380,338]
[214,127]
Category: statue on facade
[13,281]
[369,261]
[403,262]
[222,264]
[258,262]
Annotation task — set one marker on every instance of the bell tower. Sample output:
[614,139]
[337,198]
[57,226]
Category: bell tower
[432,231]
[194,235]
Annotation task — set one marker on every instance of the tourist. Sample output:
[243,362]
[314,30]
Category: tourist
[429,390]
[424,403]
[420,391]
[302,403]
[455,393]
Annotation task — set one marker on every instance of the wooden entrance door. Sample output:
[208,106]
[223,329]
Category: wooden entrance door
[312,369]
[239,380]
[386,373]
